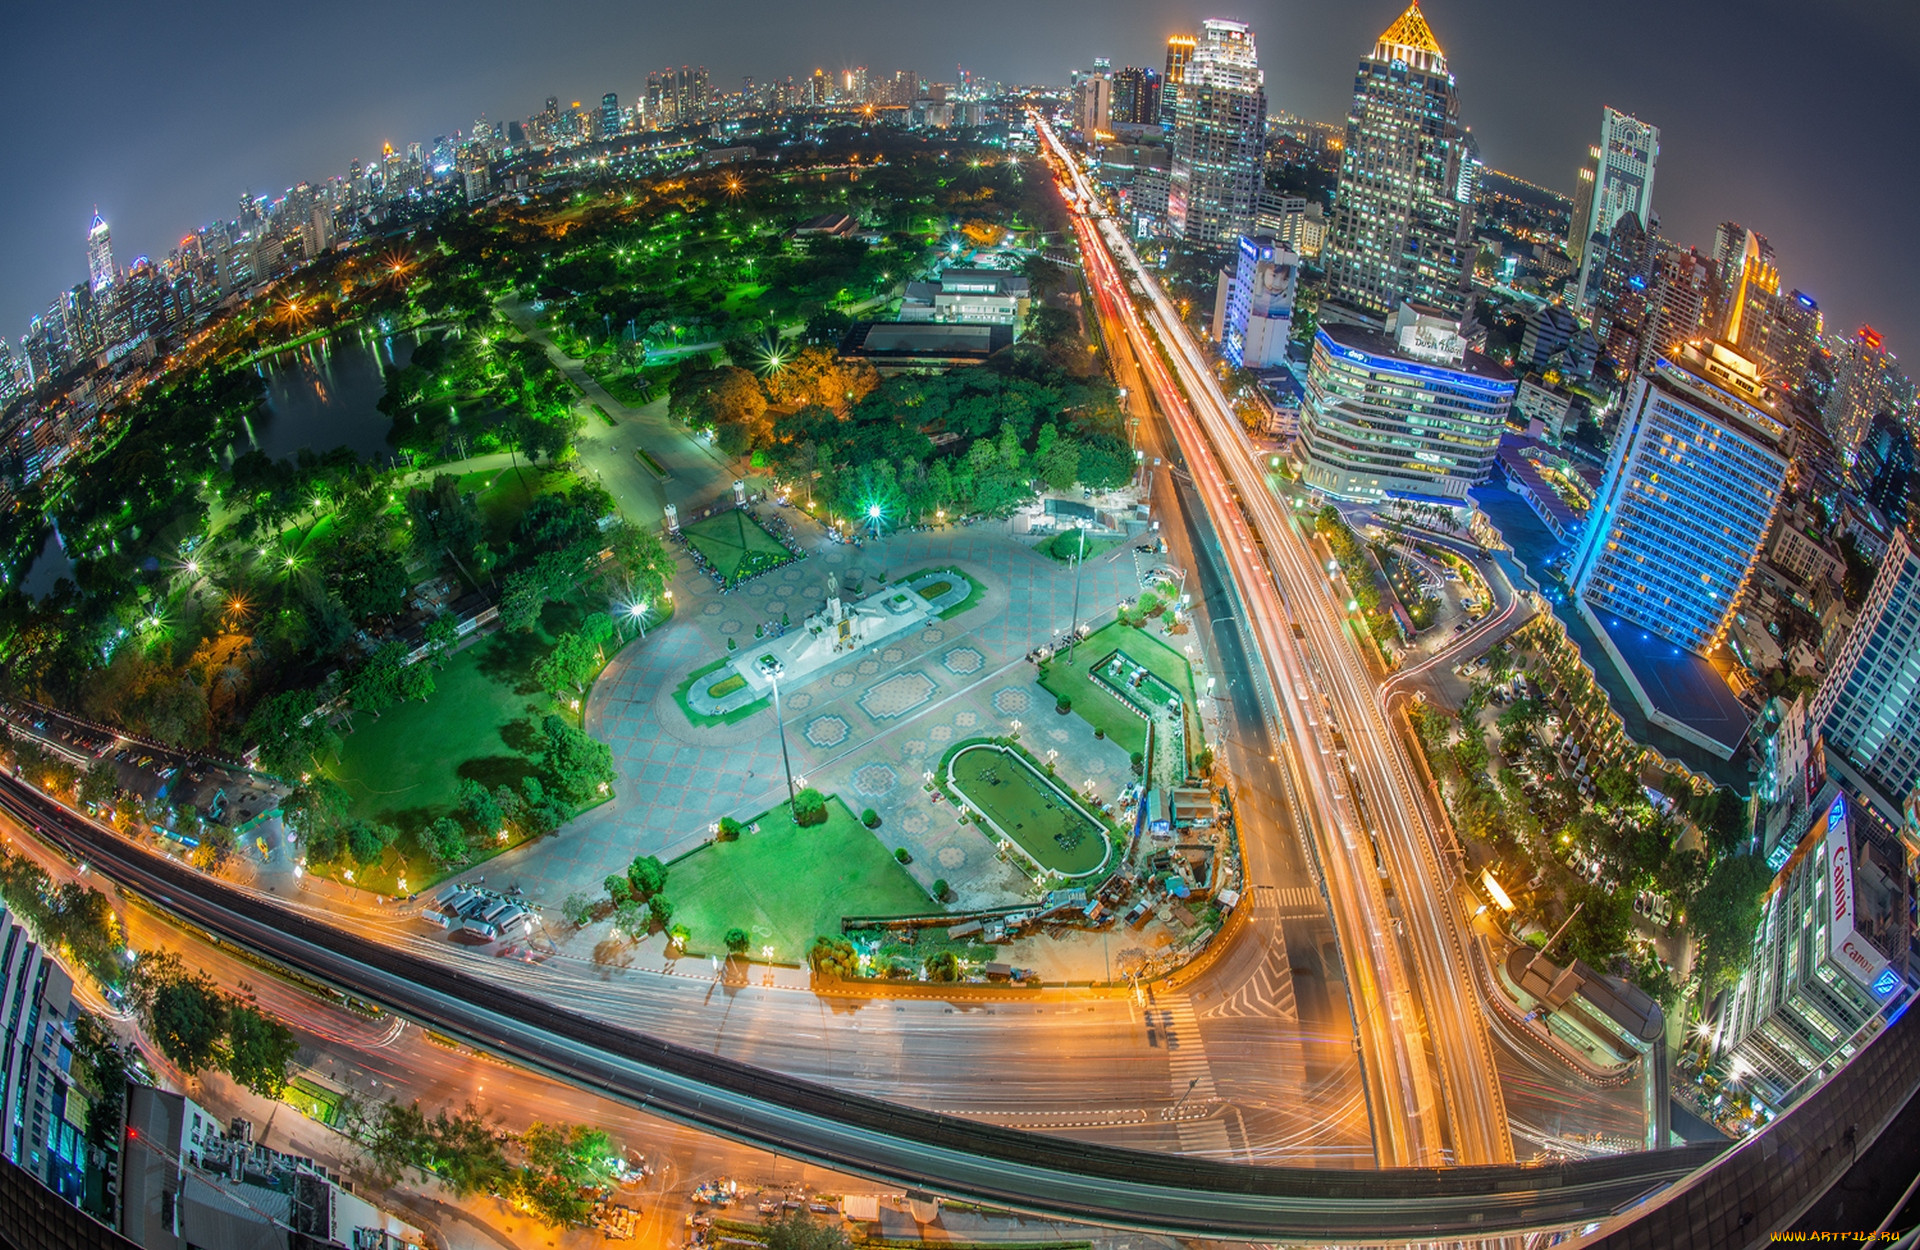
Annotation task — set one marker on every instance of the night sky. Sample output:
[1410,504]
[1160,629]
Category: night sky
[1795,117]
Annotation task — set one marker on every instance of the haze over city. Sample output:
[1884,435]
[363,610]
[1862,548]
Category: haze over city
[1791,115]
[1085,627]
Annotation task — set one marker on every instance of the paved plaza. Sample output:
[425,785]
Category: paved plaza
[868,731]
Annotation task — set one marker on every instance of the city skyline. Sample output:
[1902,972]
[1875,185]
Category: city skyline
[1531,107]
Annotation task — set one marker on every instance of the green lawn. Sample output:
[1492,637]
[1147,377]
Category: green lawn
[735,544]
[482,721]
[1099,706]
[1030,809]
[974,591]
[786,885]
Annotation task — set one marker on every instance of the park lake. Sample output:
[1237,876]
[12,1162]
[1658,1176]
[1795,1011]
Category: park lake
[325,394]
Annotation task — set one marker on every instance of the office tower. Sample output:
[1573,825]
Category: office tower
[1733,246]
[1578,229]
[1863,387]
[1829,954]
[1400,229]
[1257,316]
[1883,468]
[609,115]
[1136,96]
[1689,492]
[1797,337]
[1549,328]
[1683,300]
[36,1046]
[1618,266]
[100,273]
[1868,708]
[1092,106]
[1179,52]
[1619,179]
[1407,411]
[1219,138]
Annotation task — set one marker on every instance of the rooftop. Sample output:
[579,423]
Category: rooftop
[1678,684]
[1377,344]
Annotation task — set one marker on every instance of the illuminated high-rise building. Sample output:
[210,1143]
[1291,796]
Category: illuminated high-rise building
[1136,96]
[100,271]
[1256,307]
[1868,707]
[1618,179]
[1219,138]
[1690,490]
[1093,106]
[1799,327]
[609,115]
[1403,213]
[1408,411]
[1179,52]
[1863,387]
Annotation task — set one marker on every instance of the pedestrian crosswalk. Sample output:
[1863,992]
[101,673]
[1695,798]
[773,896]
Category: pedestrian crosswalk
[1191,1078]
[1298,900]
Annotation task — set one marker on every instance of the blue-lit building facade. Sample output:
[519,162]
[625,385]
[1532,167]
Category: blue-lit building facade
[1830,953]
[1258,321]
[1411,412]
[1696,472]
[1868,708]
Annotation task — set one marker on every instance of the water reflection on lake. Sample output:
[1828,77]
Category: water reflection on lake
[322,395]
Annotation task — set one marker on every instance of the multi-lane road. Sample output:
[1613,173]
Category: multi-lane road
[1430,1070]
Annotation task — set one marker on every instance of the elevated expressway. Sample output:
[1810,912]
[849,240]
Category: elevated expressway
[856,1133]
[1433,1091]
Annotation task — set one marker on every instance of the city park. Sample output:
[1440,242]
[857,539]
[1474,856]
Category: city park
[480,650]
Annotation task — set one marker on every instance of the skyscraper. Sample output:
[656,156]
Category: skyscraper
[1179,52]
[1868,708]
[1883,469]
[1257,305]
[1863,387]
[100,271]
[1412,411]
[1093,106]
[1219,138]
[609,115]
[1401,228]
[1689,492]
[1136,96]
[1619,270]
[1829,953]
[1619,179]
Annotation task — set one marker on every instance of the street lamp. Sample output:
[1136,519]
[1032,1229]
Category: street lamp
[786,763]
[1073,633]
[637,611]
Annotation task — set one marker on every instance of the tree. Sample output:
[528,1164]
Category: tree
[576,767]
[395,1138]
[467,1151]
[833,957]
[618,891]
[736,941]
[728,830]
[521,598]
[632,920]
[482,810]
[577,908]
[940,889]
[571,664]
[440,634]
[660,908]
[317,805]
[646,877]
[260,1049]
[99,783]
[870,818]
[727,400]
[290,732]
[1724,915]
[380,682]
[798,1230]
[181,1011]
[215,849]
[446,842]
[809,808]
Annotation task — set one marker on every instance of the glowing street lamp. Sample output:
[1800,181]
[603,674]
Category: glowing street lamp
[637,611]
